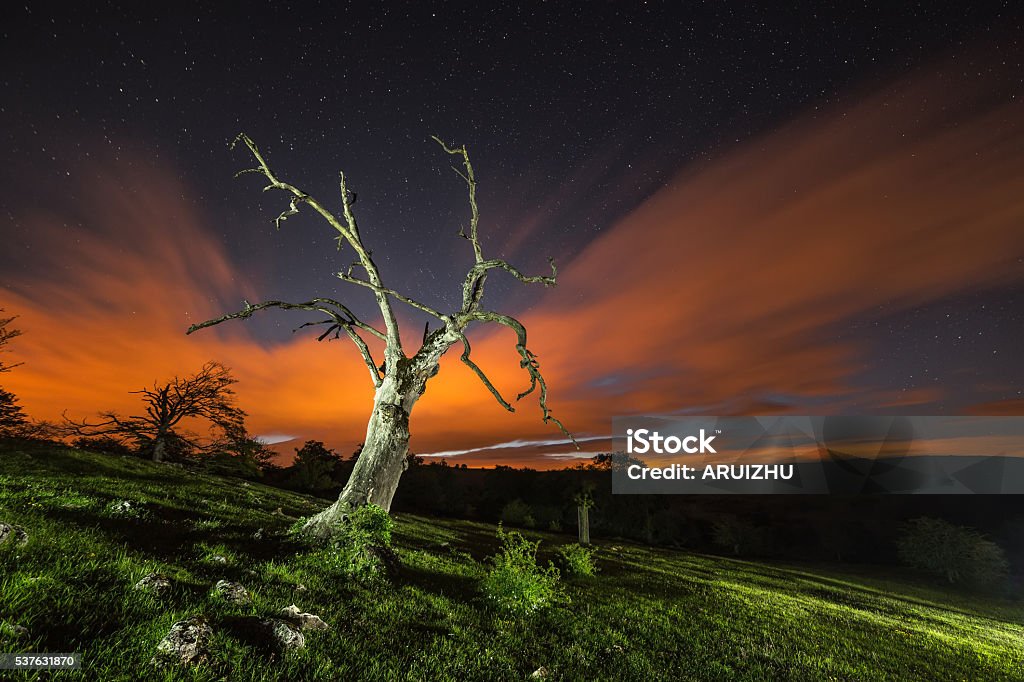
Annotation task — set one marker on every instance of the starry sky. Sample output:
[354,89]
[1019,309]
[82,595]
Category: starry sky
[753,211]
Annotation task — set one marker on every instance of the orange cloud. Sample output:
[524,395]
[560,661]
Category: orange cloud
[721,289]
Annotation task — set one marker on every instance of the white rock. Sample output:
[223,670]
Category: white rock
[305,621]
[284,634]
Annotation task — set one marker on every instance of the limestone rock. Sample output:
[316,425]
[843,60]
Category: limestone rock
[15,534]
[187,643]
[232,592]
[154,583]
[305,621]
[283,634]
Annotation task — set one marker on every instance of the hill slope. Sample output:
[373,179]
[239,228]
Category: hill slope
[648,614]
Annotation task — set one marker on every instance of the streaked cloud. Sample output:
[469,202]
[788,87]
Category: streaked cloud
[724,288]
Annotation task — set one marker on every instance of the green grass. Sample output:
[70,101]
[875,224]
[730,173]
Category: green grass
[647,614]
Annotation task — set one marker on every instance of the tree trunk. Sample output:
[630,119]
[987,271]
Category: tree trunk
[382,461]
[159,448]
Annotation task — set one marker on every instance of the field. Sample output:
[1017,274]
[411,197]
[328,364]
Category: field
[648,614]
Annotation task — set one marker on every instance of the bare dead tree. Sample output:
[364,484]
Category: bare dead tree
[400,379]
[205,395]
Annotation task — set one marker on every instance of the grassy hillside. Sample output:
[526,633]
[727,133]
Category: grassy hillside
[649,614]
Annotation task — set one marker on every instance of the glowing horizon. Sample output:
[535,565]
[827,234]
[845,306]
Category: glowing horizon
[720,289]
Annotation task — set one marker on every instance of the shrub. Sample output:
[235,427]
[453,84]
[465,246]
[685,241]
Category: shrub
[362,549]
[739,536]
[518,513]
[960,555]
[515,582]
[103,444]
[577,560]
[370,524]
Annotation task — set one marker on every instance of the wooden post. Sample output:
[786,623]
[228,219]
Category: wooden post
[583,520]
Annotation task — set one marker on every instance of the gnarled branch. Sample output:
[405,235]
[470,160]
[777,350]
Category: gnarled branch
[473,287]
[385,291]
[339,313]
[348,231]
[529,362]
[467,349]
[470,178]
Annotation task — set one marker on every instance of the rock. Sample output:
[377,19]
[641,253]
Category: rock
[283,634]
[232,592]
[15,534]
[540,673]
[305,621]
[218,559]
[187,643]
[12,631]
[154,583]
[258,535]
[301,588]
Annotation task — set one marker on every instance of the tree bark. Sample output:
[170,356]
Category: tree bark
[383,459]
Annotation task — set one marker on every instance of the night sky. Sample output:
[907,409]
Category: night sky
[752,210]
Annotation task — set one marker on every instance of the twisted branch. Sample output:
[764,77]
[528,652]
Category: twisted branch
[380,290]
[340,316]
[480,373]
[529,362]
[348,231]
[470,179]
[473,287]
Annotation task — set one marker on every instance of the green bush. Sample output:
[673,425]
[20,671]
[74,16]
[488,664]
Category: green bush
[518,513]
[362,549]
[577,560]
[959,554]
[515,582]
[370,524]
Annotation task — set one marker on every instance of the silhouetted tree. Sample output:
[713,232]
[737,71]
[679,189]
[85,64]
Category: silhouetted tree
[239,453]
[12,419]
[400,379]
[6,334]
[205,395]
[315,467]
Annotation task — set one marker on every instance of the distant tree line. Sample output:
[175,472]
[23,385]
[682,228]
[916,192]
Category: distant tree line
[972,540]
[833,528]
